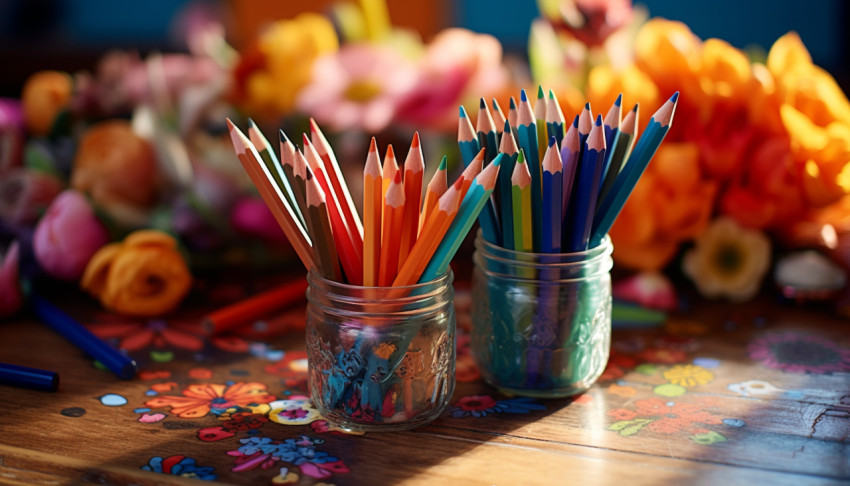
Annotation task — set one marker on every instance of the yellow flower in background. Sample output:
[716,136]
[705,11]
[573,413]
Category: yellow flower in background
[145,275]
[270,75]
[728,261]
[724,72]
[688,375]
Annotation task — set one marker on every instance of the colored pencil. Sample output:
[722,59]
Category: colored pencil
[570,152]
[268,157]
[644,149]
[586,188]
[585,124]
[372,223]
[470,207]
[498,118]
[255,307]
[319,226]
[527,140]
[26,377]
[611,125]
[345,238]
[624,141]
[540,121]
[114,360]
[471,172]
[287,165]
[393,214]
[433,232]
[467,141]
[389,170]
[552,198]
[283,213]
[486,129]
[554,119]
[512,116]
[414,169]
[436,188]
[299,176]
[509,149]
[337,182]
[521,204]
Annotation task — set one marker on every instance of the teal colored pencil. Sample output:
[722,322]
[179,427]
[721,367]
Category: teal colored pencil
[553,184]
[644,149]
[527,140]
[611,124]
[498,118]
[466,140]
[487,136]
[554,119]
[477,199]
[509,149]
[619,152]
[586,189]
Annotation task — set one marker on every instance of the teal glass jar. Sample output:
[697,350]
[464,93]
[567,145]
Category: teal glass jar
[541,323]
[380,359]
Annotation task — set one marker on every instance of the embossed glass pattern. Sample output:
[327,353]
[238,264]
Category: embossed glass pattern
[381,359]
[541,322]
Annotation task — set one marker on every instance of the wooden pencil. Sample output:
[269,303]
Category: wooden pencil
[586,189]
[283,213]
[499,118]
[570,152]
[552,198]
[321,235]
[585,124]
[389,170]
[293,164]
[622,146]
[521,205]
[372,223]
[255,307]
[527,140]
[611,125]
[509,149]
[433,232]
[414,169]
[436,188]
[267,154]
[393,214]
[554,119]
[645,148]
[350,253]
[337,182]
[512,116]
[540,106]
[466,139]
[486,131]
[471,171]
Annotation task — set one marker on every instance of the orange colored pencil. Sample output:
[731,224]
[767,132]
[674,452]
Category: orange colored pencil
[350,254]
[283,213]
[372,206]
[393,214]
[432,234]
[414,168]
[256,306]
[471,172]
[436,188]
[389,170]
[337,182]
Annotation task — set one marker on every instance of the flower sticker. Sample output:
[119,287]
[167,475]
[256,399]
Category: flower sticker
[482,405]
[296,411]
[688,375]
[301,451]
[656,415]
[202,399]
[179,465]
[799,353]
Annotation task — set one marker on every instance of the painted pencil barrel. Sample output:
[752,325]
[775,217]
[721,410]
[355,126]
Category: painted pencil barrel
[541,322]
[378,363]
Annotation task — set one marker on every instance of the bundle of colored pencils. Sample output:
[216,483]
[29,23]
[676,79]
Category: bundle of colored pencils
[402,239]
[561,186]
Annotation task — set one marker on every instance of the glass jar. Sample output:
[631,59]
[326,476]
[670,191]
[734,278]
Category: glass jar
[380,358]
[541,322]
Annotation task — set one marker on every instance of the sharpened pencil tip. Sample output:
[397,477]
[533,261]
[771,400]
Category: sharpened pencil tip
[635,108]
[282,136]
[459,183]
[540,93]
[397,177]
[513,103]
[390,151]
[575,121]
[230,125]
[599,120]
[463,112]
[482,105]
[373,146]
[522,96]
[552,141]
[507,126]
[313,126]
[251,123]
[587,106]
[551,94]
[305,140]
[443,163]
[619,100]
[675,97]
[415,142]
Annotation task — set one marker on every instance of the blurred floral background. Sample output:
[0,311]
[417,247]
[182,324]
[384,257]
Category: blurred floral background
[114,154]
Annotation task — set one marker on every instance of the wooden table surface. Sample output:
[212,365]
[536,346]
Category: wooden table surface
[721,394]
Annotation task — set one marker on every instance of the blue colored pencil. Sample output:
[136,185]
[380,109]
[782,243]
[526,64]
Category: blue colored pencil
[618,153]
[487,137]
[570,152]
[585,124]
[498,118]
[509,149]
[120,364]
[645,148]
[466,139]
[527,140]
[554,119]
[586,189]
[553,184]
[25,377]
[611,124]
[474,203]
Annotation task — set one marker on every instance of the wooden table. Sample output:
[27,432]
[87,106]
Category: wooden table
[722,394]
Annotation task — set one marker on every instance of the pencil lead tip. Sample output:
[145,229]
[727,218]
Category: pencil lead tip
[635,108]
[552,140]
[390,151]
[305,140]
[230,125]
[462,112]
[373,146]
[675,97]
[495,105]
[551,94]
[507,127]
[540,93]
[513,103]
[521,157]
[575,121]
[443,163]
[313,126]
[251,123]
[482,105]
[599,120]
[522,96]
[415,142]
[619,100]
[587,106]
[397,177]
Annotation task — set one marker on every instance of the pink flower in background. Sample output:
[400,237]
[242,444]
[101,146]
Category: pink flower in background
[11,133]
[67,236]
[252,217]
[11,297]
[590,21]
[359,86]
[25,195]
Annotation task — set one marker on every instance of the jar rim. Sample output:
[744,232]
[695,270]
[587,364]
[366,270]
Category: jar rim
[313,277]
[605,247]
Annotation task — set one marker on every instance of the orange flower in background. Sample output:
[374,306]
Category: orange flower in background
[605,83]
[117,169]
[670,54]
[144,275]
[45,95]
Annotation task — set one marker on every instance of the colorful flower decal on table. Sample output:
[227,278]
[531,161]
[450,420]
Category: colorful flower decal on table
[656,415]
[179,465]
[219,400]
[799,353]
[265,452]
[483,405]
[238,422]
[296,411]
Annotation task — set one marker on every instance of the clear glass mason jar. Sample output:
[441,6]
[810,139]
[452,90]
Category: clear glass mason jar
[541,322]
[380,358]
